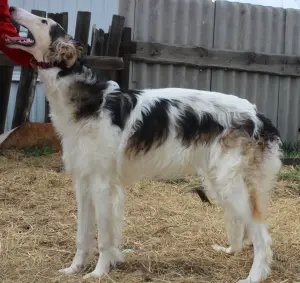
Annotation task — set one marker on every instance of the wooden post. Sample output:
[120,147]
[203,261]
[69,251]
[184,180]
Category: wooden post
[26,89]
[123,75]
[5,84]
[97,43]
[62,19]
[114,39]
[115,36]
[82,28]
[98,49]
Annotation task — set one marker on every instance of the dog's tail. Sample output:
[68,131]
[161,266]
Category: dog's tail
[199,190]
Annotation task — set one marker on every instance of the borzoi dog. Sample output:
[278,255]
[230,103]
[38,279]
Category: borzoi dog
[112,138]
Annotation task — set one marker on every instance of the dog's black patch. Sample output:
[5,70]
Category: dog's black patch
[152,130]
[56,31]
[268,132]
[77,68]
[246,125]
[87,99]
[192,128]
[120,104]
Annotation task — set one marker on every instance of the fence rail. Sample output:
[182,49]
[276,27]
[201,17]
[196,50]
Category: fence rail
[105,56]
[210,58]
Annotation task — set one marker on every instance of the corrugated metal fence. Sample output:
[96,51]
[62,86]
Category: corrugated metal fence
[221,25]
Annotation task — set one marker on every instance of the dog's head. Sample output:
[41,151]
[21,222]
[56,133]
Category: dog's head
[50,43]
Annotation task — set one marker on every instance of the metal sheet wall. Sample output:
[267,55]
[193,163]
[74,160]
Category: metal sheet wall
[252,28]
[183,22]
[289,89]
[224,25]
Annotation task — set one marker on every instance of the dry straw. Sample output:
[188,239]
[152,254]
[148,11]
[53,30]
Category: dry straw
[169,229]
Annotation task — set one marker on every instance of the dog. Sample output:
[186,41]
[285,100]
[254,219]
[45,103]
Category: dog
[112,138]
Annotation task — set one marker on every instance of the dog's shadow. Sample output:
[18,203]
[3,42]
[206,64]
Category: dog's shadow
[168,269]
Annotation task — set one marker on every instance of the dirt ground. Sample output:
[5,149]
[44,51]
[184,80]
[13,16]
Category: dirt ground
[168,228]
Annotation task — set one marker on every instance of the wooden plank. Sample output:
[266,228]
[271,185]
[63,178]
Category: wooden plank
[6,72]
[205,58]
[123,75]
[101,62]
[291,161]
[114,40]
[26,89]
[62,19]
[104,62]
[82,28]
[97,46]
[98,49]
[115,35]
[127,46]
[5,83]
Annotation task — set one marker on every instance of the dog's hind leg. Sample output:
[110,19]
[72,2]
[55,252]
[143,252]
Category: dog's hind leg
[247,208]
[85,222]
[235,228]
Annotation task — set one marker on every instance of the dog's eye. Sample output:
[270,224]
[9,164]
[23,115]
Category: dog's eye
[44,22]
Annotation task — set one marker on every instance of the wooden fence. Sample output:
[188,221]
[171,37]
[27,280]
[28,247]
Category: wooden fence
[108,55]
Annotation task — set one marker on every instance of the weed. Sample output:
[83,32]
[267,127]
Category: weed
[35,151]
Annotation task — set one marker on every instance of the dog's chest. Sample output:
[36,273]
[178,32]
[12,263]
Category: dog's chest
[80,153]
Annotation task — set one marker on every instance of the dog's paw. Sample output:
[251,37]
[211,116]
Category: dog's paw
[72,269]
[219,248]
[92,274]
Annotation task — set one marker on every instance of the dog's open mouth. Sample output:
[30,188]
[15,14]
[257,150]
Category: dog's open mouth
[18,40]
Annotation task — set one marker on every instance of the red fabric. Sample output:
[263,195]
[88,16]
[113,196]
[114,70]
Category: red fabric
[7,28]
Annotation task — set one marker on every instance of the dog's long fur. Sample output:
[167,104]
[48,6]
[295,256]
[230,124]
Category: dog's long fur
[112,138]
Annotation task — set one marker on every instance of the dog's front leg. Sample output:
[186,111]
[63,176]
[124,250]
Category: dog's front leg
[85,222]
[104,198]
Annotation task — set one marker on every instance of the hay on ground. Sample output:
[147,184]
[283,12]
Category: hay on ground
[169,229]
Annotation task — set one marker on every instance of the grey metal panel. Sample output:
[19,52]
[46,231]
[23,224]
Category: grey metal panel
[38,107]
[289,108]
[37,113]
[182,22]
[247,27]
[11,105]
[289,93]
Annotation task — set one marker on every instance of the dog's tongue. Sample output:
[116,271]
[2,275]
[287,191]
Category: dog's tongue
[14,38]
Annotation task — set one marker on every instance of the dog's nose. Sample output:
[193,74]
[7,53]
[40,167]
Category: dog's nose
[11,9]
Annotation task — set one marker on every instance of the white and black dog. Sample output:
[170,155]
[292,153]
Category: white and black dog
[112,138]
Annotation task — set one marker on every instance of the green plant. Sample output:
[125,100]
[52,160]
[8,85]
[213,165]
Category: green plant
[35,151]
[290,150]
[291,174]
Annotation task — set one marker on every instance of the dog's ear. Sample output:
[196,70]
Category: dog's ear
[65,50]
